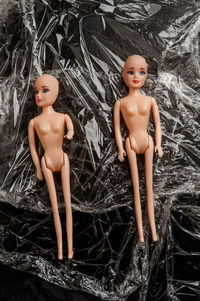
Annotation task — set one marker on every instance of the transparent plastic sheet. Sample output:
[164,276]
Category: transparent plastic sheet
[84,44]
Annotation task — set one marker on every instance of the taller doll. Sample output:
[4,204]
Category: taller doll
[135,109]
[50,128]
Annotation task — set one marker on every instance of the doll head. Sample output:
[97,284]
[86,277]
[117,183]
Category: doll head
[46,90]
[135,71]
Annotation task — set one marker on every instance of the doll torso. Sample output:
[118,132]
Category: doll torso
[50,130]
[135,111]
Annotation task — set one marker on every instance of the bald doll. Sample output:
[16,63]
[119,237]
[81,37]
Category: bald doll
[50,129]
[135,109]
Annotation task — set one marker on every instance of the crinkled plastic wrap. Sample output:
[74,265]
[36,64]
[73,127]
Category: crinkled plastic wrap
[84,44]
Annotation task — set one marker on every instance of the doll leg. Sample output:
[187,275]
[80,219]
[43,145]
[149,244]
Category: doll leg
[135,179]
[67,197]
[148,173]
[53,197]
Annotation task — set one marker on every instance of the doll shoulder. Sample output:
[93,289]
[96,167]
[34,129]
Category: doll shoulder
[33,122]
[152,100]
[67,117]
[119,103]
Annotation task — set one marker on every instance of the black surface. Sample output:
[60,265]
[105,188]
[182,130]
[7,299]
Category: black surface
[84,44]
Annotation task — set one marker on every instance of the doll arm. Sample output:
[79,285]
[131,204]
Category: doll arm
[34,155]
[118,136]
[70,127]
[158,132]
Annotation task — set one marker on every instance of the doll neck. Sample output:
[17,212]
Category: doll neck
[47,110]
[134,92]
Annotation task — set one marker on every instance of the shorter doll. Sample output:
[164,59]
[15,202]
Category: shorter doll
[50,129]
[135,109]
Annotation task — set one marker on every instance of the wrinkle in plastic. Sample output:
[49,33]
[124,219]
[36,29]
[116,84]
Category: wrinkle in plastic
[84,44]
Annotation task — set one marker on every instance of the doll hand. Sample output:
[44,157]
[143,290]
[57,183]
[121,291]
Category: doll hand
[69,135]
[39,174]
[159,150]
[121,155]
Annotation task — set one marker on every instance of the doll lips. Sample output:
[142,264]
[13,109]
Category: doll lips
[136,81]
[39,100]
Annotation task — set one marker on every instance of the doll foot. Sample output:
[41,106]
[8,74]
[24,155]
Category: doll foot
[141,239]
[153,244]
[60,257]
[154,238]
[70,254]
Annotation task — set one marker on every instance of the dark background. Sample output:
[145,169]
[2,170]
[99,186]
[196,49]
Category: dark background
[84,44]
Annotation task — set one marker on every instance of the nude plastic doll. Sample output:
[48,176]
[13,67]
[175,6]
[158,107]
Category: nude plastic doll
[135,109]
[50,128]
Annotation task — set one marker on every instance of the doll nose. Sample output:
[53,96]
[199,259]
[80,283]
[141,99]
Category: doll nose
[38,94]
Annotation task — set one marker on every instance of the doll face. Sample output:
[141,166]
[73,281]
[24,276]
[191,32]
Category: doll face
[46,90]
[135,71]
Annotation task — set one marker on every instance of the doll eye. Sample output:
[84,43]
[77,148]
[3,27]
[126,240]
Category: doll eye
[45,90]
[130,72]
[36,91]
[142,73]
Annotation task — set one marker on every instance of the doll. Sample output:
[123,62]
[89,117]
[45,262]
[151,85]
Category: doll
[50,129]
[135,109]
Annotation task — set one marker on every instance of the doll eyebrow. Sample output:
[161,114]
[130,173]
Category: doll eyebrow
[42,87]
[132,68]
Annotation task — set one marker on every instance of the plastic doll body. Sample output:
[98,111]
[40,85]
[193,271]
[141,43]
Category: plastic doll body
[135,109]
[50,128]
